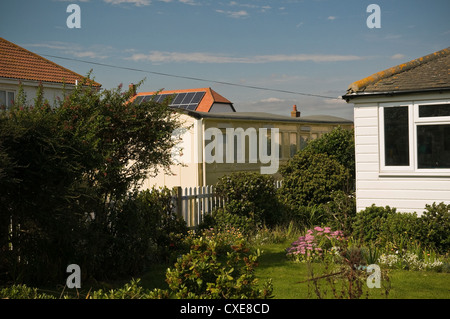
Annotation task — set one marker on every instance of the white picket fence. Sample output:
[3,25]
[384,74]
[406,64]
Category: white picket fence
[194,203]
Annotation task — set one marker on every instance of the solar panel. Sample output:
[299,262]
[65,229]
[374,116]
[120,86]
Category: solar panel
[197,97]
[187,101]
[138,99]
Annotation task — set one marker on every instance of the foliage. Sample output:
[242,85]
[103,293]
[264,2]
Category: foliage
[23,292]
[309,179]
[131,290]
[340,211]
[435,230]
[340,144]
[401,231]
[63,166]
[251,202]
[214,269]
[368,223]
[144,229]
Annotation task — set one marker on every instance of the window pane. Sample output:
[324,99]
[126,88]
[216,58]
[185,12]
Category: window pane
[10,98]
[433,146]
[293,143]
[434,110]
[396,136]
[2,98]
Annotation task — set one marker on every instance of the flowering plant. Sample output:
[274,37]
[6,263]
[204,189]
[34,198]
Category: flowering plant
[316,243]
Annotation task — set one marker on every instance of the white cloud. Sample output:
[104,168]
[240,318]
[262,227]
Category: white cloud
[272,100]
[189,2]
[398,56]
[138,3]
[234,14]
[331,18]
[73,49]
[203,57]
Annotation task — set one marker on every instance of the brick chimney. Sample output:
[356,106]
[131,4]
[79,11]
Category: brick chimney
[294,112]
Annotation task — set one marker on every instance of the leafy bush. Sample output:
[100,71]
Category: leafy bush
[340,144]
[251,202]
[340,211]
[368,223]
[131,290]
[399,230]
[62,166]
[216,268]
[435,227]
[23,292]
[309,179]
[144,228]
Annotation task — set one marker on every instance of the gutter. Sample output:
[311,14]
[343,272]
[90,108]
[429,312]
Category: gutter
[348,97]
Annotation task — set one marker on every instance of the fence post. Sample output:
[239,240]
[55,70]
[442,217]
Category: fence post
[178,200]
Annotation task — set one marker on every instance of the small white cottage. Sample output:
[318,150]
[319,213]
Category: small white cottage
[402,134]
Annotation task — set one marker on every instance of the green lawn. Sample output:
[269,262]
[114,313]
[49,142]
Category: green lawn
[285,274]
[404,284]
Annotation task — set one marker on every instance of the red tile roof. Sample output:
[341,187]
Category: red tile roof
[19,63]
[205,104]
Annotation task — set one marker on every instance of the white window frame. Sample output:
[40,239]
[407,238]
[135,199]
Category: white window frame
[6,93]
[413,121]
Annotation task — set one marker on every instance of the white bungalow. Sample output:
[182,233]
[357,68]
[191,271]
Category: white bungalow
[402,134]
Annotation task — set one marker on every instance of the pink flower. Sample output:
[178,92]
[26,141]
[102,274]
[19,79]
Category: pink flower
[317,228]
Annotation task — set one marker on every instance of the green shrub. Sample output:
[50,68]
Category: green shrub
[222,218]
[132,290]
[62,166]
[144,228]
[400,230]
[340,144]
[251,201]
[340,211]
[368,223]
[435,227]
[309,179]
[23,292]
[212,270]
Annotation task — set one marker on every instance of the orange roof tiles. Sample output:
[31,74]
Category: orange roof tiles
[19,63]
[206,102]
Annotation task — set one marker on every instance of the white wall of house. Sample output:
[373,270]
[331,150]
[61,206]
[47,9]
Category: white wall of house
[187,170]
[407,189]
[51,90]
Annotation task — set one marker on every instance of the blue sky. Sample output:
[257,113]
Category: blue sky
[314,47]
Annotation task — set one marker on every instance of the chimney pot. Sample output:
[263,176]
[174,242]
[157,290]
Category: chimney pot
[295,112]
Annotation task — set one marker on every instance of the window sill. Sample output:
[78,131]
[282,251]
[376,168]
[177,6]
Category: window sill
[445,174]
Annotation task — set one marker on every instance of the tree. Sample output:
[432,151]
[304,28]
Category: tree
[63,167]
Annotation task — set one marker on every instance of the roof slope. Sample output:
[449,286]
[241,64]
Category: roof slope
[205,103]
[19,63]
[262,116]
[431,72]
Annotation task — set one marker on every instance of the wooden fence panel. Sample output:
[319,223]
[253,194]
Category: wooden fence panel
[194,203]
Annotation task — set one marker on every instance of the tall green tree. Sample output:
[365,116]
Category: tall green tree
[63,167]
